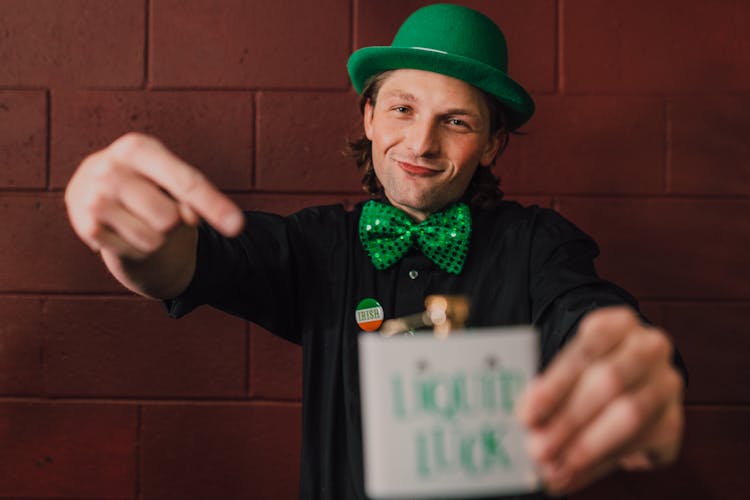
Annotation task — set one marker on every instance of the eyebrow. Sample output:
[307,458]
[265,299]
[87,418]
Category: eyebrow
[401,95]
[405,96]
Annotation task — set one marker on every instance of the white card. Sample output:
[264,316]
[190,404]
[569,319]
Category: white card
[437,414]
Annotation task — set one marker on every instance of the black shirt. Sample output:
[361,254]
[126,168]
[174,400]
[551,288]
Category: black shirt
[301,277]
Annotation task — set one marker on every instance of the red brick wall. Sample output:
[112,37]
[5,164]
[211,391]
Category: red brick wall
[641,137]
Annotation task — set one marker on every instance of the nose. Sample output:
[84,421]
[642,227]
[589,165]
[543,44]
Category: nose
[422,138]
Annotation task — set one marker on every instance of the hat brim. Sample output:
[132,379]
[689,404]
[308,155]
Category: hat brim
[369,61]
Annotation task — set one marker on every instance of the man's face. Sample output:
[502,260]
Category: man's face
[429,133]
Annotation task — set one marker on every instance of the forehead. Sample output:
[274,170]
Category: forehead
[431,88]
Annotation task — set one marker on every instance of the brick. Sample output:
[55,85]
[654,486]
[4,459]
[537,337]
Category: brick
[709,151]
[588,144]
[712,463]
[211,130]
[300,148]
[33,221]
[72,43]
[529,28]
[123,347]
[233,43]
[275,367]
[40,252]
[78,450]
[713,340]
[20,346]
[669,248]
[220,451]
[23,139]
[644,46]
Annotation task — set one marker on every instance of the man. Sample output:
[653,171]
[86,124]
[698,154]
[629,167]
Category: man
[437,107]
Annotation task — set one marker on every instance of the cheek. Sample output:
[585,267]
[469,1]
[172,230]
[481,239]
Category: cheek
[386,131]
[381,138]
[468,155]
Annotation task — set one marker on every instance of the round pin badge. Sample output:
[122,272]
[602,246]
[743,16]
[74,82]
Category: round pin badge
[369,315]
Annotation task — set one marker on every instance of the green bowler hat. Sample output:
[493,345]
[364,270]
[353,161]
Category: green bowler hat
[454,41]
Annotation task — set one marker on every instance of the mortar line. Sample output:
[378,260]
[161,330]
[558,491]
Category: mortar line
[146,43]
[560,83]
[138,450]
[48,141]
[255,139]
[667,148]
[247,359]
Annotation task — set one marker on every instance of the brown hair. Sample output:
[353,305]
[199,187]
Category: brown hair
[484,188]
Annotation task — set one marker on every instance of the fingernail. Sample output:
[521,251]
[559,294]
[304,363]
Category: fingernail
[233,222]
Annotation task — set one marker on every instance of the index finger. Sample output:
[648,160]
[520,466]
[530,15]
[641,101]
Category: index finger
[599,333]
[185,183]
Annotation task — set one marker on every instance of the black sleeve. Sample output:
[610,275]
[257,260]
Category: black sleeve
[253,276]
[565,286]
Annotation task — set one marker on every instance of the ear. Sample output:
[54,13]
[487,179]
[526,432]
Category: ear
[490,150]
[367,118]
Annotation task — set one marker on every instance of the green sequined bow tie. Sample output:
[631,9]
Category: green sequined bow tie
[387,233]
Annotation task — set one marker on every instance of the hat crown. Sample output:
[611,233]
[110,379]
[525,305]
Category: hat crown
[451,40]
[456,30]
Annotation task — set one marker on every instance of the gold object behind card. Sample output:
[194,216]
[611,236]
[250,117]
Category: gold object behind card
[443,312]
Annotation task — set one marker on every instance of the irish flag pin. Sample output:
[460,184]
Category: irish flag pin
[369,315]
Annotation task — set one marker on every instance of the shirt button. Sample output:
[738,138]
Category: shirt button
[413,274]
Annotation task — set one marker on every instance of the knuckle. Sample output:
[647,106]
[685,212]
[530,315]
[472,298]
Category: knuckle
[590,324]
[631,414]
[663,347]
[94,203]
[104,172]
[166,221]
[600,319]
[617,313]
[611,380]
[676,420]
[673,382]
[69,197]
[131,142]
[96,173]
[191,182]
[152,244]
[653,346]
[90,161]
[90,230]
[580,456]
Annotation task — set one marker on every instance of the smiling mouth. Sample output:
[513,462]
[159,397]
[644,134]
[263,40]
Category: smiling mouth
[416,170]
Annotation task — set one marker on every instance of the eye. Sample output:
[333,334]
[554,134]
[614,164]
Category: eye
[458,123]
[401,109]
